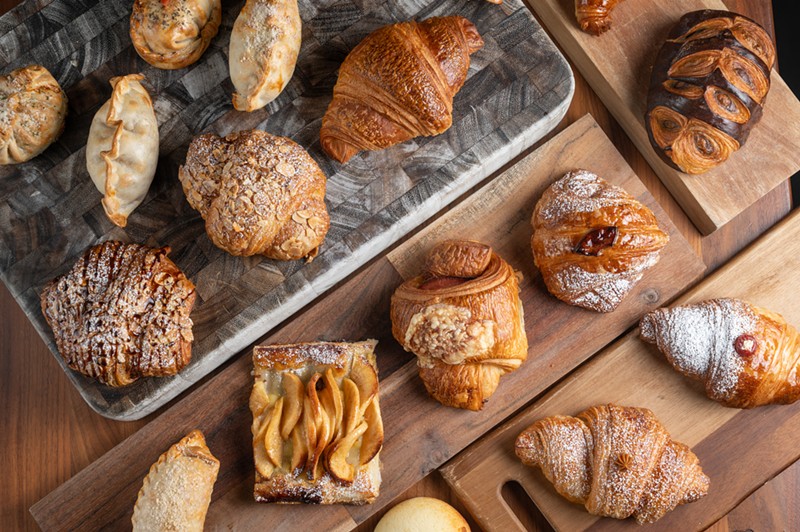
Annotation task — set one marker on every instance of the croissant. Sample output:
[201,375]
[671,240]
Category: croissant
[707,89]
[593,241]
[745,356]
[397,84]
[259,194]
[462,317]
[617,461]
[122,312]
[32,111]
[594,16]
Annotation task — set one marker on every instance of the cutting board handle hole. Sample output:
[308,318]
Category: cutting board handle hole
[520,504]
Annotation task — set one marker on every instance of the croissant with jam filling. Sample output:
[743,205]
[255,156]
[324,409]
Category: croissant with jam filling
[593,241]
[462,317]
[707,89]
[744,355]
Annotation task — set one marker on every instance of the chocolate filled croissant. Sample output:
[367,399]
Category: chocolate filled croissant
[745,356]
[397,84]
[462,317]
[593,241]
[707,89]
[617,461]
[594,16]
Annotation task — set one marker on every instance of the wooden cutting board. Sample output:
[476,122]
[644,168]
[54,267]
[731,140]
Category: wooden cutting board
[738,449]
[519,87]
[420,433]
[618,64]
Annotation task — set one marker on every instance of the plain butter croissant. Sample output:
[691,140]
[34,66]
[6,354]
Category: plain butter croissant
[397,84]
[745,356]
[462,317]
[617,461]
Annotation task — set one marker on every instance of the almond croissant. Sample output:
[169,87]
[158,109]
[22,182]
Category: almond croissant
[397,84]
[462,317]
[617,461]
[744,355]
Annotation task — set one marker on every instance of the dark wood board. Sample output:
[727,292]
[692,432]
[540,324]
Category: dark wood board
[618,64]
[738,449]
[519,87]
[420,434]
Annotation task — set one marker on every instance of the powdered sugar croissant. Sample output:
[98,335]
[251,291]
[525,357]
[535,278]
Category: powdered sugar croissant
[462,317]
[745,356]
[593,241]
[617,461]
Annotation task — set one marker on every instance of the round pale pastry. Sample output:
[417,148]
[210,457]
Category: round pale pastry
[32,111]
[422,514]
[172,34]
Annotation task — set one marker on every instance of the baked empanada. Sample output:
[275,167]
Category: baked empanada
[265,43]
[122,150]
[177,490]
[317,428]
[32,112]
[173,34]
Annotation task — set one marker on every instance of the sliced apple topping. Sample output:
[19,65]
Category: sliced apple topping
[263,464]
[272,438]
[366,379]
[293,407]
[336,458]
[352,406]
[299,448]
[331,399]
[259,399]
[373,437]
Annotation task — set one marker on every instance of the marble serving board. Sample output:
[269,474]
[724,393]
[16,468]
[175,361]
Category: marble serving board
[519,87]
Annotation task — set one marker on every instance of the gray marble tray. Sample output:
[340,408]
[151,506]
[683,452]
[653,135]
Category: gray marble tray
[519,87]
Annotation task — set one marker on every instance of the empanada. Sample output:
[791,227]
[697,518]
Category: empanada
[122,150]
[174,34]
[317,428]
[265,42]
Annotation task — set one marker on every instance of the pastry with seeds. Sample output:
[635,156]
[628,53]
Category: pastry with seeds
[259,194]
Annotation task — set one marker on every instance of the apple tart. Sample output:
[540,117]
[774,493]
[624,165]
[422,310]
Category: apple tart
[317,427]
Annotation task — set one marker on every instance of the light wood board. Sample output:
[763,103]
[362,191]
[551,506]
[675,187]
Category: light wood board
[420,433]
[618,64]
[738,449]
[518,88]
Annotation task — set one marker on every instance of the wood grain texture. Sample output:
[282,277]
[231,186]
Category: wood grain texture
[50,433]
[518,88]
[420,433]
[618,64]
[738,449]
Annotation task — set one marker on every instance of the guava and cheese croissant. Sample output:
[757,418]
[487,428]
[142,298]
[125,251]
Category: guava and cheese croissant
[617,461]
[745,356]
[462,317]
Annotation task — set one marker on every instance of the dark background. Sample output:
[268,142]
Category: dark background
[787,16]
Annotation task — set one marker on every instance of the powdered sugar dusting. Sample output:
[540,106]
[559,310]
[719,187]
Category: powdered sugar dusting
[578,191]
[699,341]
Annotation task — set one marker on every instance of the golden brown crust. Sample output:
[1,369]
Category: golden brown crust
[593,241]
[466,332]
[617,461]
[594,16]
[174,34]
[707,89]
[317,428]
[177,490]
[259,194]
[744,355]
[122,312]
[397,84]
[32,111]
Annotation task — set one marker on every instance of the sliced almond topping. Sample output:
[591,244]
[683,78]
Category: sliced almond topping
[272,438]
[373,437]
[336,459]
[352,406]
[293,407]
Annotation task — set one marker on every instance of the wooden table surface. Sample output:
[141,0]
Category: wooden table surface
[48,433]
